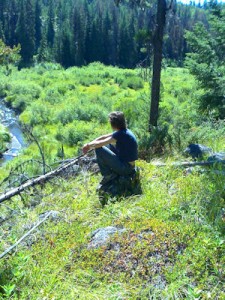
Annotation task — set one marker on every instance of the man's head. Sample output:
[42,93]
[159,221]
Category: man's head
[117,120]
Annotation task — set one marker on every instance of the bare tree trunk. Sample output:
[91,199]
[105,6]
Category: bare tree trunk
[157,63]
[33,138]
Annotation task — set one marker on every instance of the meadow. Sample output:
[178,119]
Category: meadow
[71,106]
[173,246]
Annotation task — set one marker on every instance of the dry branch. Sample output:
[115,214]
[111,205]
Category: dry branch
[25,235]
[38,180]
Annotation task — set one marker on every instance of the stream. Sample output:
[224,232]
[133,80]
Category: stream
[9,119]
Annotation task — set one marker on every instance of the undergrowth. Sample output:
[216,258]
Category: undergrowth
[172,247]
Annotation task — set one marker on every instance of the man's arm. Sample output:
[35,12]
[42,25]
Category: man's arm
[98,143]
[103,137]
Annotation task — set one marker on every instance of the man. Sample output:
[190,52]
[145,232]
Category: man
[119,160]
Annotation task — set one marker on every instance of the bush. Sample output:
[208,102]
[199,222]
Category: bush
[90,80]
[53,96]
[74,133]
[20,95]
[155,142]
[132,82]
[2,88]
[92,112]
[4,138]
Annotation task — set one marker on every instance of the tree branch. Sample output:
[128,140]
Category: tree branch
[25,235]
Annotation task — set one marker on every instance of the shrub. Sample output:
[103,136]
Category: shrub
[39,114]
[66,115]
[4,138]
[2,88]
[74,133]
[155,142]
[53,95]
[20,95]
[92,112]
[90,80]
[132,82]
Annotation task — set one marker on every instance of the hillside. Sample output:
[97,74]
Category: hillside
[172,247]
[172,242]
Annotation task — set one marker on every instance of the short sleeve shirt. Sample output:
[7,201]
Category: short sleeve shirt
[126,145]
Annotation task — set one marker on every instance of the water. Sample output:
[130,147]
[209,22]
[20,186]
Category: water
[9,119]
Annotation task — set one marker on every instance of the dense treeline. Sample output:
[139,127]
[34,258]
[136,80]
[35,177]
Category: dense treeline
[82,31]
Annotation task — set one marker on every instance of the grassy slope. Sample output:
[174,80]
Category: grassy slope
[181,253]
[184,250]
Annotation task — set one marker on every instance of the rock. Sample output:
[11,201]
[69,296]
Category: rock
[197,150]
[220,156]
[101,236]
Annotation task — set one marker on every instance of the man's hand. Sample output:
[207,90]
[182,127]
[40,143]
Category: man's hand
[86,148]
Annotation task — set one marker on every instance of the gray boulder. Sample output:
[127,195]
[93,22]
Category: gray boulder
[101,236]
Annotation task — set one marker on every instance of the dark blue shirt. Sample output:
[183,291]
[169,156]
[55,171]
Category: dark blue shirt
[126,145]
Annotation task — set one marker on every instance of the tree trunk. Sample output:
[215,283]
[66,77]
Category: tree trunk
[157,63]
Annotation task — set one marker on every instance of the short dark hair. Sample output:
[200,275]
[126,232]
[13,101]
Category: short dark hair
[117,120]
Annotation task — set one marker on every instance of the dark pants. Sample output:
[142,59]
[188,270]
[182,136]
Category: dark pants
[109,162]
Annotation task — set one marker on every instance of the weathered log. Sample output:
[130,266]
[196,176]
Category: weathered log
[189,164]
[38,180]
[25,235]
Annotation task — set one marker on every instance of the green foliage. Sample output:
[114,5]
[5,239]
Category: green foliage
[8,55]
[172,247]
[78,33]
[207,61]
[130,81]
[50,97]
[4,139]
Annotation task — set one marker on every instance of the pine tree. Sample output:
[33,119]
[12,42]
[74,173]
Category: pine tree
[66,56]
[26,31]
[12,22]
[2,36]
[207,61]
[51,24]
[38,24]
[79,35]
[43,54]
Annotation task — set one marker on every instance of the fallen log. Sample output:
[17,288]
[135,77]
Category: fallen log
[41,179]
[188,164]
[25,235]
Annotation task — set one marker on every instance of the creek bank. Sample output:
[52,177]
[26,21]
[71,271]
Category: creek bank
[9,119]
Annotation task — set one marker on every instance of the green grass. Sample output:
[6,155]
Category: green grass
[173,246]
[4,139]
[71,106]
[180,254]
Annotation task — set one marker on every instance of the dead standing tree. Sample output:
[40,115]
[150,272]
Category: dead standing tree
[33,138]
[157,42]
